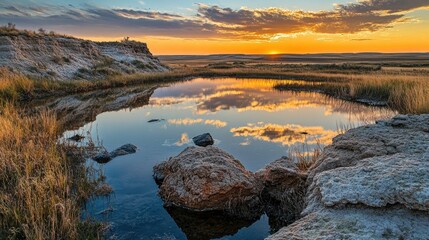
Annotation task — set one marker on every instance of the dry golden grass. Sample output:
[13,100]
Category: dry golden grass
[42,190]
[305,156]
[13,85]
[405,90]
[405,93]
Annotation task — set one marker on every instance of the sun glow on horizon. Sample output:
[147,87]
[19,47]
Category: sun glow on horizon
[211,29]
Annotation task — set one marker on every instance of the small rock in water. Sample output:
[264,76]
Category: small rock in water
[105,157]
[400,117]
[77,138]
[203,140]
[155,120]
[123,150]
[102,157]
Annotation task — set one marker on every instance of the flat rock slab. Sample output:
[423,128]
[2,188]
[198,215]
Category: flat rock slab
[358,224]
[378,182]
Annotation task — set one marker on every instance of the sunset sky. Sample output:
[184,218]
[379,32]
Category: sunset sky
[233,26]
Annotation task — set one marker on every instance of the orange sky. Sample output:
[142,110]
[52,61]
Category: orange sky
[403,37]
[217,27]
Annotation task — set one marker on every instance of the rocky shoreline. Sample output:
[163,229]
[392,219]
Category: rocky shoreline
[371,183]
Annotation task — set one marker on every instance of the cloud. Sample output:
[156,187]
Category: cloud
[184,140]
[387,6]
[212,21]
[100,22]
[136,14]
[286,134]
[266,23]
[190,121]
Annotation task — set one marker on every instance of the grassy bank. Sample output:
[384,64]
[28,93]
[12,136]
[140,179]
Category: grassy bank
[42,188]
[403,89]
[406,94]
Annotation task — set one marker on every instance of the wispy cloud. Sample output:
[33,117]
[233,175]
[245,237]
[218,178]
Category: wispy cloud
[386,6]
[285,134]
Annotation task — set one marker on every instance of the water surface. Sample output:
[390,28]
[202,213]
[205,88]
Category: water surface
[247,118]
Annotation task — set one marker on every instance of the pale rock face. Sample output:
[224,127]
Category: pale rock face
[371,183]
[357,224]
[207,178]
[63,58]
[378,182]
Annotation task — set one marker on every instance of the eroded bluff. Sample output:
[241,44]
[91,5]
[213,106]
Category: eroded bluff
[68,58]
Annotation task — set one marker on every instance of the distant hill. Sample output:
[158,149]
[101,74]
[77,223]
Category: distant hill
[49,55]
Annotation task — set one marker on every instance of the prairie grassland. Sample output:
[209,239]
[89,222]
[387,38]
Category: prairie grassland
[42,188]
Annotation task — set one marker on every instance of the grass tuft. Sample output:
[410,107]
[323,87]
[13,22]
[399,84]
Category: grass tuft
[42,189]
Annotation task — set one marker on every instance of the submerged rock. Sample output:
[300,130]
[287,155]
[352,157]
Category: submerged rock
[206,179]
[103,156]
[203,140]
[123,150]
[371,183]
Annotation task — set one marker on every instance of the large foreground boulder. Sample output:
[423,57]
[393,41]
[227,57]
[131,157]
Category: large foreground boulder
[206,179]
[371,183]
